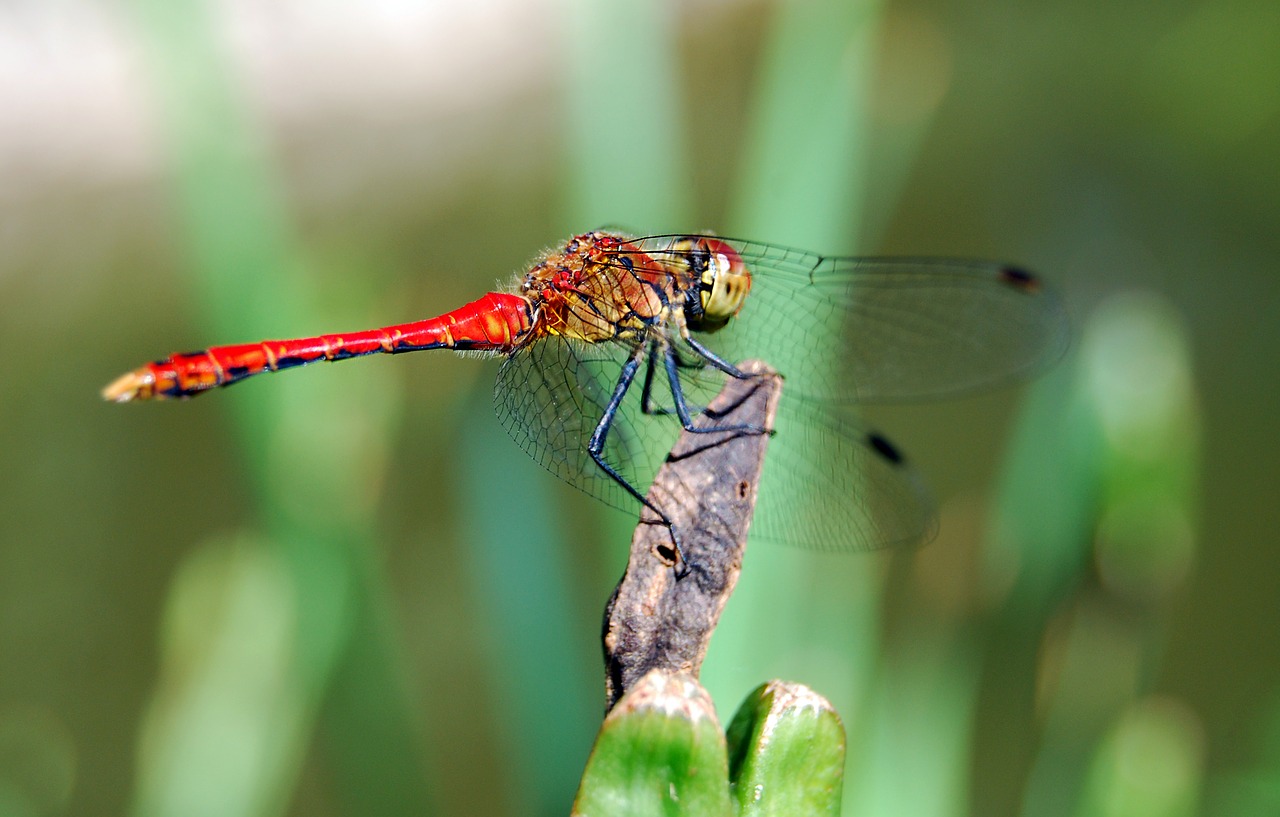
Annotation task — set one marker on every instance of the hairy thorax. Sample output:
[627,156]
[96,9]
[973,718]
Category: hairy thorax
[597,288]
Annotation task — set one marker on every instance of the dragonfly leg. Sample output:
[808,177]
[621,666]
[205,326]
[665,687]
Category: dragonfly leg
[682,407]
[595,447]
[715,360]
[647,404]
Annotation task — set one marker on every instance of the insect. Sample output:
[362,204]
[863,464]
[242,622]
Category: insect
[612,344]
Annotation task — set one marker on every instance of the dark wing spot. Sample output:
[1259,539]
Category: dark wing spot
[884,448]
[626,261]
[1020,279]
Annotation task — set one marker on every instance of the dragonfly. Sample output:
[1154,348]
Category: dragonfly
[614,344]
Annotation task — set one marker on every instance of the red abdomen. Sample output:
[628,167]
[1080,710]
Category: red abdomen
[498,322]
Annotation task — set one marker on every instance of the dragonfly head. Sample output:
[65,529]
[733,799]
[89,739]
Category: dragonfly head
[723,283]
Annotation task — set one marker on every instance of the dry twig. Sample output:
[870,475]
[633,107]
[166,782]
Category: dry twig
[655,619]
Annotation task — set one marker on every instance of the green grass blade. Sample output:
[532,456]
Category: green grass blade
[627,161]
[916,731]
[549,687]
[1108,641]
[804,168]
[309,444]
[1149,765]
[228,706]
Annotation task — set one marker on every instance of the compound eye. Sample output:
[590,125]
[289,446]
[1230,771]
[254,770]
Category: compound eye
[725,284]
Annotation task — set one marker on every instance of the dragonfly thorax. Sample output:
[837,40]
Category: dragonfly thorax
[596,288]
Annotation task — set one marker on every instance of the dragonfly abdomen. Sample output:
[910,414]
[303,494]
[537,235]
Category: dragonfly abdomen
[498,322]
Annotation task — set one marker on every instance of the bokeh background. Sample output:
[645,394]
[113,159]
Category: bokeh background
[343,591]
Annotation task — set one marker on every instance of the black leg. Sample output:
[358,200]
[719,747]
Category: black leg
[715,360]
[646,397]
[648,405]
[595,447]
[682,407]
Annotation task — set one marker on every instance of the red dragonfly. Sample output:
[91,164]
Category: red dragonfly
[589,317]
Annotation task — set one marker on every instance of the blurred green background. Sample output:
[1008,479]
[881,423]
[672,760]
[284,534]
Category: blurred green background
[343,591]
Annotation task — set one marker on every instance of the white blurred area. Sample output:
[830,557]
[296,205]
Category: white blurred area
[75,98]
[351,100]
[71,99]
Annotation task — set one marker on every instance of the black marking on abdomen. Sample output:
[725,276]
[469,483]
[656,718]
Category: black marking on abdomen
[289,362]
[403,345]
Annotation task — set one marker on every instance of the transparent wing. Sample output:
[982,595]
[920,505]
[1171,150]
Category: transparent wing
[840,330]
[550,396]
[886,329]
[828,484]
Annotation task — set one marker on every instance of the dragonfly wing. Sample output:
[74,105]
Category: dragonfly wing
[901,329]
[830,484]
[550,396]
[889,329]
